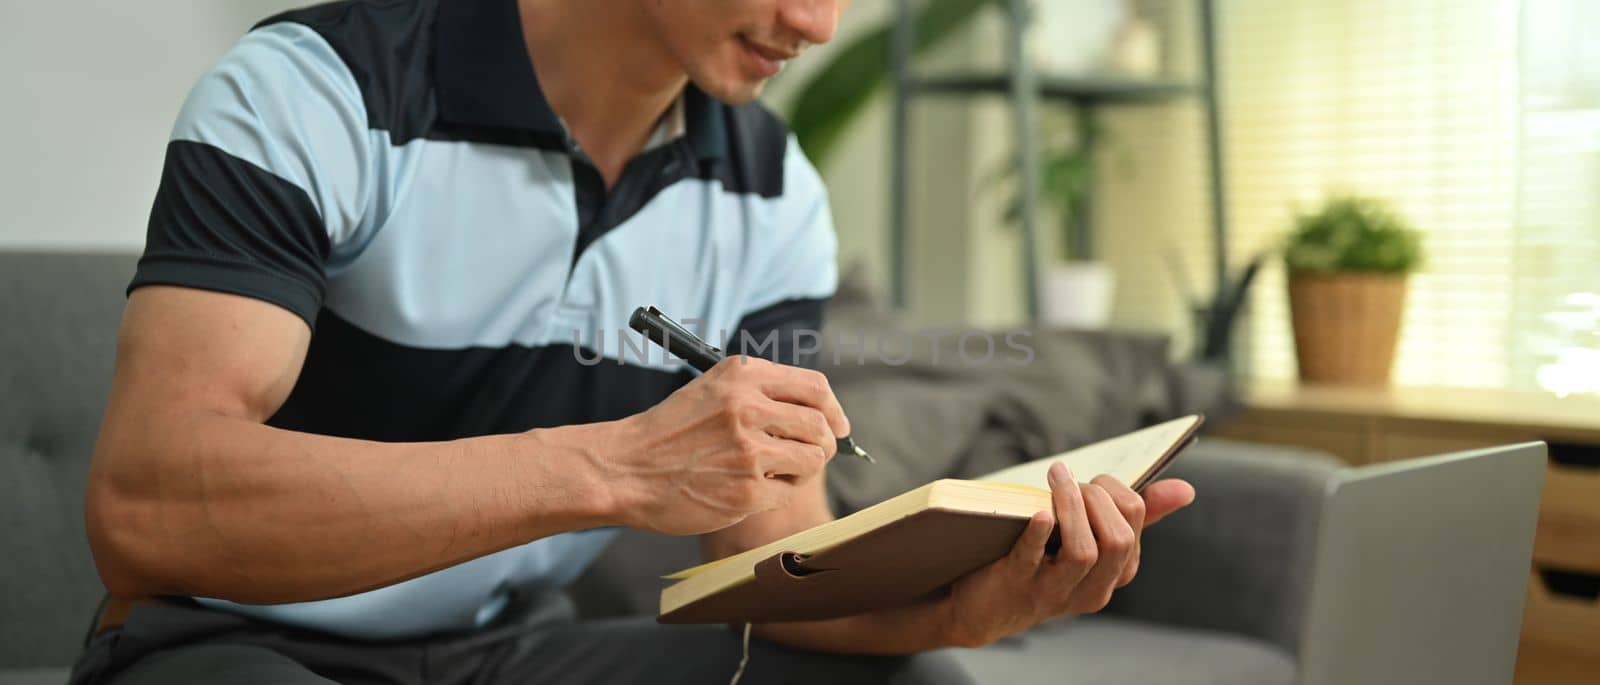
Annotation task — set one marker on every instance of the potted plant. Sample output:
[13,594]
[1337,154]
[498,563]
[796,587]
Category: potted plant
[1075,291]
[1348,263]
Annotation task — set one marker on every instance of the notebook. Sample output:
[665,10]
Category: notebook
[907,547]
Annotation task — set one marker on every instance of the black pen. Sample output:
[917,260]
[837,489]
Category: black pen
[677,340]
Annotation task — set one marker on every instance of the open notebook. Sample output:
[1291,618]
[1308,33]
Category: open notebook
[902,549]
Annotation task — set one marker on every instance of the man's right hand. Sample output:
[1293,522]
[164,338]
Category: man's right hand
[734,442]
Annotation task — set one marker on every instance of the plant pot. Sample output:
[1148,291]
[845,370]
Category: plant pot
[1346,326]
[1074,38]
[1077,295]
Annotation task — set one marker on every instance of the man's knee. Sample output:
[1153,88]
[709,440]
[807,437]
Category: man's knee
[783,665]
[931,668]
[240,664]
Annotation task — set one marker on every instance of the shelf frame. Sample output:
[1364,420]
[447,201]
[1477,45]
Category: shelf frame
[1024,88]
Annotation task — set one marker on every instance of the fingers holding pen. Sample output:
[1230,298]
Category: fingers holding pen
[808,388]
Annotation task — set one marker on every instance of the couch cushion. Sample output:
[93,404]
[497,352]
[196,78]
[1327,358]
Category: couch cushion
[60,314]
[34,676]
[1101,650]
[939,403]
[1250,534]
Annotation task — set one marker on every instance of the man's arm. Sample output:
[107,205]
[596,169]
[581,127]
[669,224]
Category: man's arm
[189,493]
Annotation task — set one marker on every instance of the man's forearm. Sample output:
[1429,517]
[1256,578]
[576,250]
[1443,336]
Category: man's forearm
[218,506]
[905,630]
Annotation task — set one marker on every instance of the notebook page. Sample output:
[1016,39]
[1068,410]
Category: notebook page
[1126,457]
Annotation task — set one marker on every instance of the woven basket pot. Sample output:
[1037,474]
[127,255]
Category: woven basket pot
[1345,326]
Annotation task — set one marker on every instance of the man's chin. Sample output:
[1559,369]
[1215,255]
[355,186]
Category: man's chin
[733,94]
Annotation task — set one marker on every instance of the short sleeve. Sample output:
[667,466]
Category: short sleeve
[264,174]
[799,269]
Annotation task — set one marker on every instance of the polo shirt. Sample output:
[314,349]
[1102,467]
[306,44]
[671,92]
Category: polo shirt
[391,173]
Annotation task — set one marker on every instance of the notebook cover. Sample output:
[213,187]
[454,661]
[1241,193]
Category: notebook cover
[890,566]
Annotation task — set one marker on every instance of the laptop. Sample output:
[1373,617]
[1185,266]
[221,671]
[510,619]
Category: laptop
[1421,570]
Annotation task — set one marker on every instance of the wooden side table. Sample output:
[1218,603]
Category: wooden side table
[1561,625]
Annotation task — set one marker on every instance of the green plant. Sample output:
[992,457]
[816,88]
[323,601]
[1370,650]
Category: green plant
[1066,172]
[832,98]
[1352,233]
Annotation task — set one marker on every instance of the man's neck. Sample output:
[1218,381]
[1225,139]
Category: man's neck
[603,72]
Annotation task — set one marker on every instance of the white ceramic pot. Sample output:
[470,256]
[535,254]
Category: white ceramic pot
[1077,295]
[1074,38]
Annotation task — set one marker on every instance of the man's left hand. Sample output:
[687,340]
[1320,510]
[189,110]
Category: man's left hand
[1100,522]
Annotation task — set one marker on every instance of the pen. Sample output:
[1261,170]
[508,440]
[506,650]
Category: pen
[677,340]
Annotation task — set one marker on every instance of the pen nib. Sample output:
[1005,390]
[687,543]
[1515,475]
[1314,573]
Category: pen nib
[847,445]
[863,454]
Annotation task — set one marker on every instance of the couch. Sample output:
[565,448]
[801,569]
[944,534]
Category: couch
[1220,598]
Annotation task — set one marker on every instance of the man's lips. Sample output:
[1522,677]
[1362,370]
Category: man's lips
[766,60]
[774,54]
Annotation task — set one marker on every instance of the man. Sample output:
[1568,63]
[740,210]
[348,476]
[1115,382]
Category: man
[352,434]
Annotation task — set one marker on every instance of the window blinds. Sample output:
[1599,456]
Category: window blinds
[1478,119]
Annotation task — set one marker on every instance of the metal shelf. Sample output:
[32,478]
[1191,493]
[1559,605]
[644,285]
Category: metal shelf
[1025,90]
[1083,91]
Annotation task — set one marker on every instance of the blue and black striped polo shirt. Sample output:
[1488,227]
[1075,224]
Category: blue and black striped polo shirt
[391,173]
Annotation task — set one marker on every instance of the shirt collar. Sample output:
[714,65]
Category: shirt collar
[483,78]
[671,126]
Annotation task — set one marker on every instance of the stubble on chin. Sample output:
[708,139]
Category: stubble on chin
[735,94]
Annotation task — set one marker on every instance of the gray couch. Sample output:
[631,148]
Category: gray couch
[1220,598]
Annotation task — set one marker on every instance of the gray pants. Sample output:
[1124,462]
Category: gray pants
[540,641]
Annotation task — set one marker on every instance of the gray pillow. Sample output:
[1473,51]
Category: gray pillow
[933,409]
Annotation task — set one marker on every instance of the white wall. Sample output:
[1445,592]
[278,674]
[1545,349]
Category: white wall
[90,91]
